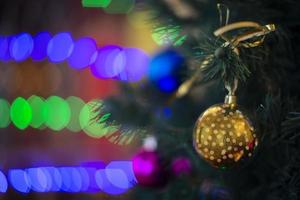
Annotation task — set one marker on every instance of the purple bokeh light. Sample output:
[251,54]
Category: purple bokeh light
[21,47]
[41,41]
[136,67]
[19,180]
[83,53]
[110,62]
[107,180]
[3,183]
[4,48]
[60,47]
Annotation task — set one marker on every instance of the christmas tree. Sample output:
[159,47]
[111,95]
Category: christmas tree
[193,74]
[216,117]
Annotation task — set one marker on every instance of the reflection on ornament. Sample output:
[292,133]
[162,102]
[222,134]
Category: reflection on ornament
[223,136]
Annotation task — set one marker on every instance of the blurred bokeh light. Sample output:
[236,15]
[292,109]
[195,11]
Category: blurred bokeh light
[37,145]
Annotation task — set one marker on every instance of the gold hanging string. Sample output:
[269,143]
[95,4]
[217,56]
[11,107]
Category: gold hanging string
[221,8]
[257,32]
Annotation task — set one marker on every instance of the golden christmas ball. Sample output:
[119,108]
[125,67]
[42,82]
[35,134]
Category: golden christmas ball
[224,136]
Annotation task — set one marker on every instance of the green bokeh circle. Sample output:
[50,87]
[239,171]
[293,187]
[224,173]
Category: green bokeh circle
[96,3]
[76,105]
[120,6]
[90,122]
[4,113]
[21,113]
[57,112]
[38,107]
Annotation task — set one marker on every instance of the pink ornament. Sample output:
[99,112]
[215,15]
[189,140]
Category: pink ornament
[147,168]
[181,165]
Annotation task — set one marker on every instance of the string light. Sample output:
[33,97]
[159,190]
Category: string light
[57,114]
[115,178]
[126,64]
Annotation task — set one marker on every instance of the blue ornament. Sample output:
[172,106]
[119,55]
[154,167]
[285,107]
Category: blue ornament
[164,70]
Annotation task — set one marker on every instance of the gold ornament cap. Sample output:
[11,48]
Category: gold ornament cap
[230,99]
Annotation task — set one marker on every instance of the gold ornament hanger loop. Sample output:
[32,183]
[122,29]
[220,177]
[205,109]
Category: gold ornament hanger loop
[241,40]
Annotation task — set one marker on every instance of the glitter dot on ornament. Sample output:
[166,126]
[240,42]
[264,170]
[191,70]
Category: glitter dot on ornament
[231,134]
